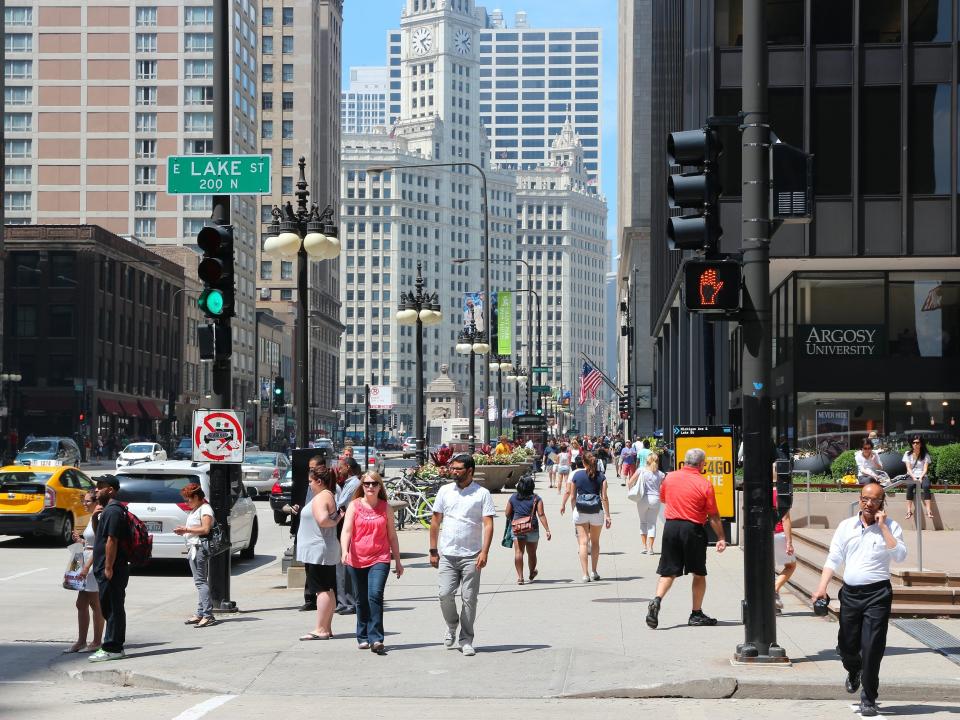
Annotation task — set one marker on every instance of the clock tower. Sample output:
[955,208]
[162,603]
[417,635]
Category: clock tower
[440,79]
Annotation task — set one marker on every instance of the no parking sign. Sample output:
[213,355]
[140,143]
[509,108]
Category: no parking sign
[218,436]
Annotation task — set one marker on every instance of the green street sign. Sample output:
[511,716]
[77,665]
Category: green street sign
[541,369]
[218,174]
[541,388]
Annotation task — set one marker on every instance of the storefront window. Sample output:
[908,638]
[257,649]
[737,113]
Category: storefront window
[829,300]
[833,422]
[932,415]
[924,315]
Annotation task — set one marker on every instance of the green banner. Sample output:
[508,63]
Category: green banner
[505,322]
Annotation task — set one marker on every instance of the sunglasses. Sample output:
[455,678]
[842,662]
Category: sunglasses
[371,484]
[914,442]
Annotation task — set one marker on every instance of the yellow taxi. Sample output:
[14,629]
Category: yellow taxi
[44,498]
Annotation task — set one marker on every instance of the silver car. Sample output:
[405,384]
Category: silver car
[368,458]
[261,470]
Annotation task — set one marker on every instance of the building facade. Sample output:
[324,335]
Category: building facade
[97,93]
[363,105]
[865,299]
[270,417]
[300,45]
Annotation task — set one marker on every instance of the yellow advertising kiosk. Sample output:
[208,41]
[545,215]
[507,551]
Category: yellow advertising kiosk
[717,441]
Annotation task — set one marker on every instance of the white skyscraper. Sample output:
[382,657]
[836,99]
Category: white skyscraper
[394,220]
[363,106]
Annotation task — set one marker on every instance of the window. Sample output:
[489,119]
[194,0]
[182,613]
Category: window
[198,95]
[286,157]
[267,72]
[18,16]
[146,69]
[18,69]
[287,44]
[287,129]
[266,270]
[929,156]
[146,174]
[198,147]
[267,45]
[25,320]
[831,140]
[834,422]
[267,17]
[785,22]
[18,96]
[288,17]
[146,42]
[145,122]
[146,148]
[266,129]
[924,315]
[18,42]
[197,203]
[145,201]
[286,185]
[191,226]
[879,128]
[17,175]
[833,22]
[883,24]
[198,69]
[18,122]
[13,149]
[287,72]
[197,122]
[198,42]
[146,96]
[145,227]
[17,201]
[146,16]
[267,101]
[286,270]
[198,15]
[288,101]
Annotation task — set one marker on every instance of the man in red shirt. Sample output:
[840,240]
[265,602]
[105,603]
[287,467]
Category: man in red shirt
[689,502]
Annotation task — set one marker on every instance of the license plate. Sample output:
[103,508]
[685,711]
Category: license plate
[154,527]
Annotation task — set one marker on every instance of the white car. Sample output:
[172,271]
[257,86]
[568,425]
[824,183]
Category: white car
[152,492]
[140,452]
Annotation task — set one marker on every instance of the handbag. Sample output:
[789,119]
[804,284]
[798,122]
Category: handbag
[523,525]
[590,503]
[71,576]
[635,493]
[507,541]
[214,542]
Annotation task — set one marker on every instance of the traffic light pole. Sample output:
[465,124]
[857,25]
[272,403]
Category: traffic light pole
[366,416]
[221,475]
[759,620]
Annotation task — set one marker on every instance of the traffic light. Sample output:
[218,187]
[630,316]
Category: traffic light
[279,404]
[712,285]
[697,191]
[83,417]
[623,405]
[373,417]
[216,270]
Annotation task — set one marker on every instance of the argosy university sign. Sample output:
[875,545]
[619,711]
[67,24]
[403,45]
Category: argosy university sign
[836,340]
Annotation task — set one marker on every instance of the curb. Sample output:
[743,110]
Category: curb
[131,678]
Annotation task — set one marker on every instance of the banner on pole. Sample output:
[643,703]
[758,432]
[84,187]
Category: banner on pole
[473,305]
[505,323]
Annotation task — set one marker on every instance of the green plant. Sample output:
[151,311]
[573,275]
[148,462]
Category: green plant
[948,463]
[845,464]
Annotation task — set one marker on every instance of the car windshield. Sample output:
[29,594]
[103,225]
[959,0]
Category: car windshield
[40,446]
[154,488]
[185,443]
[260,460]
[139,448]
[24,482]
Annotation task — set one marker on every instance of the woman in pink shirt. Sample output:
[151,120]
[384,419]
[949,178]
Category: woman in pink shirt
[369,538]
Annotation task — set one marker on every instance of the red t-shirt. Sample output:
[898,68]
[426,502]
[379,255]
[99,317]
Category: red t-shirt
[688,495]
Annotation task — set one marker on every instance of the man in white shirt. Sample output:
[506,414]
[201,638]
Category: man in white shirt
[864,545]
[461,530]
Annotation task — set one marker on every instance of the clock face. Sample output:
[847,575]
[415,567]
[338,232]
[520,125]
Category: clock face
[422,41]
[461,41]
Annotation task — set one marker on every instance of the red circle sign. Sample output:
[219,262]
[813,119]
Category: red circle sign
[221,439]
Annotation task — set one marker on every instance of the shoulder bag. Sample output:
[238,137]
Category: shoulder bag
[523,525]
[590,503]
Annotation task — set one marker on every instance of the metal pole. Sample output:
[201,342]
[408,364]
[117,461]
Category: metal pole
[529,341]
[366,415]
[421,442]
[499,403]
[916,516]
[303,352]
[760,629]
[486,281]
[472,403]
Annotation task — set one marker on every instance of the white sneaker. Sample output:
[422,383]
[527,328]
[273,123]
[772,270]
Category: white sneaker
[778,603]
[643,552]
[594,576]
[585,579]
[467,650]
[102,655]
[449,639]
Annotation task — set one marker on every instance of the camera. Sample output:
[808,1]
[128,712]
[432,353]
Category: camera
[821,605]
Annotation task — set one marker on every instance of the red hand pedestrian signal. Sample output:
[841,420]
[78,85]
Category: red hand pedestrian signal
[709,287]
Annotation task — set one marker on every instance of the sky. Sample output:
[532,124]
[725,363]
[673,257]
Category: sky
[366,22]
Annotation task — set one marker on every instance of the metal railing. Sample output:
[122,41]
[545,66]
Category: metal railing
[898,481]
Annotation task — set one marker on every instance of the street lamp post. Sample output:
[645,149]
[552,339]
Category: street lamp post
[306,233]
[419,308]
[518,375]
[471,341]
[500,364]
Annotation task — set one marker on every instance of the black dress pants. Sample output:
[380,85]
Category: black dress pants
[112,604]
[862,640]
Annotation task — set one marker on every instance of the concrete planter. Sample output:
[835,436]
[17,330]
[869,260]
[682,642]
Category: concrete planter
[522,469]
[495,477]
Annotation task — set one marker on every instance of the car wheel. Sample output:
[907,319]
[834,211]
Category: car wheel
[66,530]
[280,518]
[249,552]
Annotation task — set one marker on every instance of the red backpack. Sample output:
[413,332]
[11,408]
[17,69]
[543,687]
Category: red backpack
[138,544]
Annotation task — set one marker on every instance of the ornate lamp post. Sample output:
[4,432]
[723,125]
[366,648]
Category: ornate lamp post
[500,364]
[419,308]
[472,342]
[518,375]
[304,233]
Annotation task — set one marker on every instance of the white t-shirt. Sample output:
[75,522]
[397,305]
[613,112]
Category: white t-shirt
[915,469]
[461,534]
[871,463]
[195,519]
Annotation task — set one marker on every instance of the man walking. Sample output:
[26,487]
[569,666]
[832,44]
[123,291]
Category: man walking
[463,523]
[864,545]
[348,480]
[111,569]
[689,502]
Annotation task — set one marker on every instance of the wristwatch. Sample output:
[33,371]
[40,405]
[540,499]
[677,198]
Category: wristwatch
[434,552]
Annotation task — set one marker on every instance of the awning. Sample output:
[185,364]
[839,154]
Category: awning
[110,407]
[130,408]
[151,409]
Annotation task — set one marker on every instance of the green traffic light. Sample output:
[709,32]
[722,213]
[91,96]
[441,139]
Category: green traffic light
[211,301]
[278,391]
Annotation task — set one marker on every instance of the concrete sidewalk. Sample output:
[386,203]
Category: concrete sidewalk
[555,637]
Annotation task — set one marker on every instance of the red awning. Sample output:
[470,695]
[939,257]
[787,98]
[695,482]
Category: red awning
[130,408]
[151,409]
[111,407]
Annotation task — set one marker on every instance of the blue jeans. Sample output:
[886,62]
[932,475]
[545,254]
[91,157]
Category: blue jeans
[112,597]
[368,585]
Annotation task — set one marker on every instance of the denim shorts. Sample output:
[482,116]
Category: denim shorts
[531,537]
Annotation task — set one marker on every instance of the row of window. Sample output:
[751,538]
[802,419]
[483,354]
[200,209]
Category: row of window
[286,45]
[286,72]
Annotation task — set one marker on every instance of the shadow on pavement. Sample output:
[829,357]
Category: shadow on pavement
[413,646]
[31,659]
[165,651]
[513,649]
[622,600]
[832,654]
[273,609]
[909,710]
[720,623]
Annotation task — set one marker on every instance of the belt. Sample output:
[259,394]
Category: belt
[869,587]
[691,522]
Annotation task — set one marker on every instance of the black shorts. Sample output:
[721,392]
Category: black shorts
[683,549]
[320,578]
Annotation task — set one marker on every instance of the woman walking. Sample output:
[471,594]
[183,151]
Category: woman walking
[88,599]
[917,460]
[563,467]
[368,540]
[525,513]
[549,462]
[587,493]
[648,500]
[318,548]
[198,525]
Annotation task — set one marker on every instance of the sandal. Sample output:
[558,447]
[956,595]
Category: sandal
[193,620]
[929,516]
[909,515]
[519,581]
[533,574]
[316,636]
[76,647]
[206,622]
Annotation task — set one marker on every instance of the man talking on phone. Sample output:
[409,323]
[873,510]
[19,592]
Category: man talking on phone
[864,545]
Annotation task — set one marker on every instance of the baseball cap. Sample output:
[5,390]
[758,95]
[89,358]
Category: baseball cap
[111,480]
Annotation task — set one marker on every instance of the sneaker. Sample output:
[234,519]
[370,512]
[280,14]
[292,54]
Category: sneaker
[585,579]
[102,655]
[448,639]
[868,709]
[594,576]
[777,602]
[653,614]
[467,650]
[644,552]
[698,618]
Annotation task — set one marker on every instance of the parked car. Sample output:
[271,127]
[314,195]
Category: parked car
[409,446]
[280,495]
[325,443]
[368,458]
[262,469]
[62,450]
[43,500]
[152,493]
[184,450]
[139,453]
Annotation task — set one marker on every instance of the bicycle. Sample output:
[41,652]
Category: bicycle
[419,496]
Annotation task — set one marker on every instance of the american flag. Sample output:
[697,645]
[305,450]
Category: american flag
[590,379]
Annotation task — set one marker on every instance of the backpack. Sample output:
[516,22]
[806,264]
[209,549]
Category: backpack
[590,503]
[138,544]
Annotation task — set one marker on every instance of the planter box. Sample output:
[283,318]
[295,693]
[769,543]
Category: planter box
[495,477]
[523,469]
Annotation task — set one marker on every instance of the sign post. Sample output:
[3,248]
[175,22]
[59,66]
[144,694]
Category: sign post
[218,436]
[218,174]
